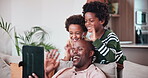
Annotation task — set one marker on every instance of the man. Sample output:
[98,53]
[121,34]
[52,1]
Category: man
[82,57]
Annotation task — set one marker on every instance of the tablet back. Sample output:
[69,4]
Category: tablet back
[33,61]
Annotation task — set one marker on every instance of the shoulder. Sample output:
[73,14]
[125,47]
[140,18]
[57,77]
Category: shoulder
[110,36]
[63,72]
[96,72]
[64,64]
[109,33]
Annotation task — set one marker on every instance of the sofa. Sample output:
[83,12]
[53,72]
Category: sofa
[131,69]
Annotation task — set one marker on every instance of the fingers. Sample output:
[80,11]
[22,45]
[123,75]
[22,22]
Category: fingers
[33,76]
[51,54]
[47,54]
[54,53]
[93,35]
[56,57]
[30,77]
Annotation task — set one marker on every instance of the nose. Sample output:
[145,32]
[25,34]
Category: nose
[74,36]
[74,51]
[87,24]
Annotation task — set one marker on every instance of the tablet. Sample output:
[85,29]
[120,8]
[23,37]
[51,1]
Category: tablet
[33,61]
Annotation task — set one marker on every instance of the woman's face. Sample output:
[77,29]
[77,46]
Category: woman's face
[75,32]
[92,22]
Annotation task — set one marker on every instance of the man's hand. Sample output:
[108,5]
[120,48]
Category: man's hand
[33,76]
[51,61]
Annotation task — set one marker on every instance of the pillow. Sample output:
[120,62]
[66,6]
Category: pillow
[5,69]
[109,69]
[64,64]
[133,70]
[10,59]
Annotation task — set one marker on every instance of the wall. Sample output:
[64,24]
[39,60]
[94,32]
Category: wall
[49,14]
[5,41]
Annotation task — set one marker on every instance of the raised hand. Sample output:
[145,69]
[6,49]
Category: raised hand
[68,51]
[93,36]
[51,61]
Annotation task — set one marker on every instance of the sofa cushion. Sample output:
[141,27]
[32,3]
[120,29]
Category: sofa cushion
[64,64]
[109,69]
[5,69]
[134,70]
[10,59]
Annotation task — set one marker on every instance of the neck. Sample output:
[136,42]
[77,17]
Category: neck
[83,67]
[100,33]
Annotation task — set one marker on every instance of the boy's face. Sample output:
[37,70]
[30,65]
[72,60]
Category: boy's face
[75,32]
[92,22]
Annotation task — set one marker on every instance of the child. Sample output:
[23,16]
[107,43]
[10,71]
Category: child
[75,25]
[105,41]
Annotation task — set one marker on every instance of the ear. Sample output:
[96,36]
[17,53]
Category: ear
[102,22]
[91,53]
[84,33]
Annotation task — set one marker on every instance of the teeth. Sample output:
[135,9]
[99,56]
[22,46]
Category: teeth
[75,39]
[88,28]
[75,58]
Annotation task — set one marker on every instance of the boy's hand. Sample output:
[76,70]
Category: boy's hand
[93,36]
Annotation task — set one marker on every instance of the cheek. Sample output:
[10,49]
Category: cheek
[79,36]
[70,36]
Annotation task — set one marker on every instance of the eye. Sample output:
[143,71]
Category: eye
[91,20]
[80,49]
[70,33]
[77,33]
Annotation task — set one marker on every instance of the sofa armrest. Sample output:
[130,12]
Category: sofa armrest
[134,70]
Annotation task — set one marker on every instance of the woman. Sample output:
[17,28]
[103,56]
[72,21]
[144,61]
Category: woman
[106,42]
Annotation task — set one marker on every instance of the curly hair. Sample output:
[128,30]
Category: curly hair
[75,19]
[100,10]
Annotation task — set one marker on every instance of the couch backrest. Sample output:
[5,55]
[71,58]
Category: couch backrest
[4,69]
[109,69]
[10,59]
[134,70]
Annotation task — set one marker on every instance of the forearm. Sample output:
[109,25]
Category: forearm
[104,50]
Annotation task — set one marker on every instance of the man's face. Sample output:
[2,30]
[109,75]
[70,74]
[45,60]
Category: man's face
[80,54]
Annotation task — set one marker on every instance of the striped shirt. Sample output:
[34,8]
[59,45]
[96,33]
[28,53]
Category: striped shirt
[108,49]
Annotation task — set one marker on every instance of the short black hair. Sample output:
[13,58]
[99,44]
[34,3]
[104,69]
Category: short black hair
[91,46]
[75,19]
[99,8]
